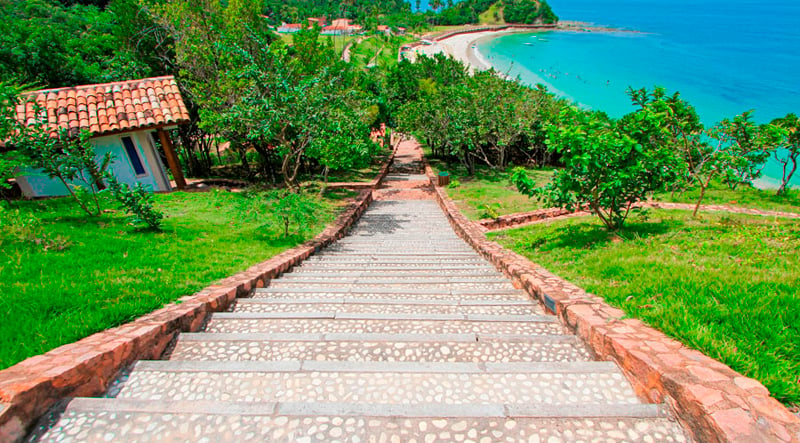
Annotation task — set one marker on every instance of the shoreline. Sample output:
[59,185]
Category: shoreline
[462,44]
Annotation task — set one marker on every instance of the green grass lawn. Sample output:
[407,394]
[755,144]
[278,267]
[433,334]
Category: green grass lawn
[489,193]
[727,285]
[379,50]
[111,273]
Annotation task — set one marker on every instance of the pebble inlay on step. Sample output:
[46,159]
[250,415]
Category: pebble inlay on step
[425,348]
[399,332]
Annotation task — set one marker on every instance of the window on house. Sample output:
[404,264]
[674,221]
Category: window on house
[133,155]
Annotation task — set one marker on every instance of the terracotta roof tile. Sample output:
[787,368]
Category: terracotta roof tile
[107,108]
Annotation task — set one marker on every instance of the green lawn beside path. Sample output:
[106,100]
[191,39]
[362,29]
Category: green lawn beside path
[727,285]
[489,193]
[110,273]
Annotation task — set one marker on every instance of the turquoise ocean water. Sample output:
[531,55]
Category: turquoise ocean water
[725,57]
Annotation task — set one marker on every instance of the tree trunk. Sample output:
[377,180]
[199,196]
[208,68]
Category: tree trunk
[787,177]
[703,188]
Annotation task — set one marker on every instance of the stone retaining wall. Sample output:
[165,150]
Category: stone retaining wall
[716,403]
[87,367]
[512,220]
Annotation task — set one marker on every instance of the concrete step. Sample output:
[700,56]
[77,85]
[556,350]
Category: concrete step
[393,293]
[367,269]
[388,306]
[372,279]
[407,261]
[327,286]
[416,255]
[460,347]
[159,421]
[330,322]
[405,383]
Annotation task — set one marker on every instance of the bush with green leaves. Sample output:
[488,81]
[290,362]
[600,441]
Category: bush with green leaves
[137,202]
[57,153]
[293,208]
[606,168]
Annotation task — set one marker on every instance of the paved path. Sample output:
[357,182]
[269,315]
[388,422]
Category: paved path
[397,333]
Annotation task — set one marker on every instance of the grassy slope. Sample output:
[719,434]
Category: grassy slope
[112,274]
[726,285]
[488,17]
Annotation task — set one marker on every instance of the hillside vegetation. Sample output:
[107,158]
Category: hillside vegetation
[498,12]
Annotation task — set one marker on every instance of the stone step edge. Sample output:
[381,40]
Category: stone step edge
[385,301]
[350,367]
[382,317]
[315,267]
[376,337]
[397,279]
[500,411]
[316,274]
[339,290]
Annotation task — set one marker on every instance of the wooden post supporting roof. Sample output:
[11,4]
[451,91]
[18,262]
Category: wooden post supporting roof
[172,159]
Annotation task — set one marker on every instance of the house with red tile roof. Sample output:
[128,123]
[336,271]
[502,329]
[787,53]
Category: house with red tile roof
[128,119]
[318,21]
[342,26]
[290,28]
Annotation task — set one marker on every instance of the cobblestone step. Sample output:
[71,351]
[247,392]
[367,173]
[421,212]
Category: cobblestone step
[407,261]
[407,383]
[408,279]
[158,421]
[396,347]
[323,322]
[313,273]
[327,286]
[367,268]
[387,306]
[394,293]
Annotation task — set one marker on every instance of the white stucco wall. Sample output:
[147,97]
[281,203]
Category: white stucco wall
[36,184]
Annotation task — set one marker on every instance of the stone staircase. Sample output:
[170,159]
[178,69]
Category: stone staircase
[397,333]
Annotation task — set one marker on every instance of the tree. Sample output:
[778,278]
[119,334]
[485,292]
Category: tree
[748,146]
[58,153]
[788,150]
[605,168]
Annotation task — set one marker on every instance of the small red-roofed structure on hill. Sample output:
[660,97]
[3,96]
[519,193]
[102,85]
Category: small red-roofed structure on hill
[290,28]
[127,119]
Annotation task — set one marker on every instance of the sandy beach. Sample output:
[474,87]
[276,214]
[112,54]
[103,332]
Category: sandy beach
[462,47]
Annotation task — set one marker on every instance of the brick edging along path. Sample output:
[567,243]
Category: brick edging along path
[714,401]
[86,368]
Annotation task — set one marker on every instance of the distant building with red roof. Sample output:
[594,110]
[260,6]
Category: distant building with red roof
[290,28]
[124,119]
[318,21]
[342,26]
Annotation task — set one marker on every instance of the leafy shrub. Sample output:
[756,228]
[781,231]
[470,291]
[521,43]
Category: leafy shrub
[454,184]
[297,208]
[137,202]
